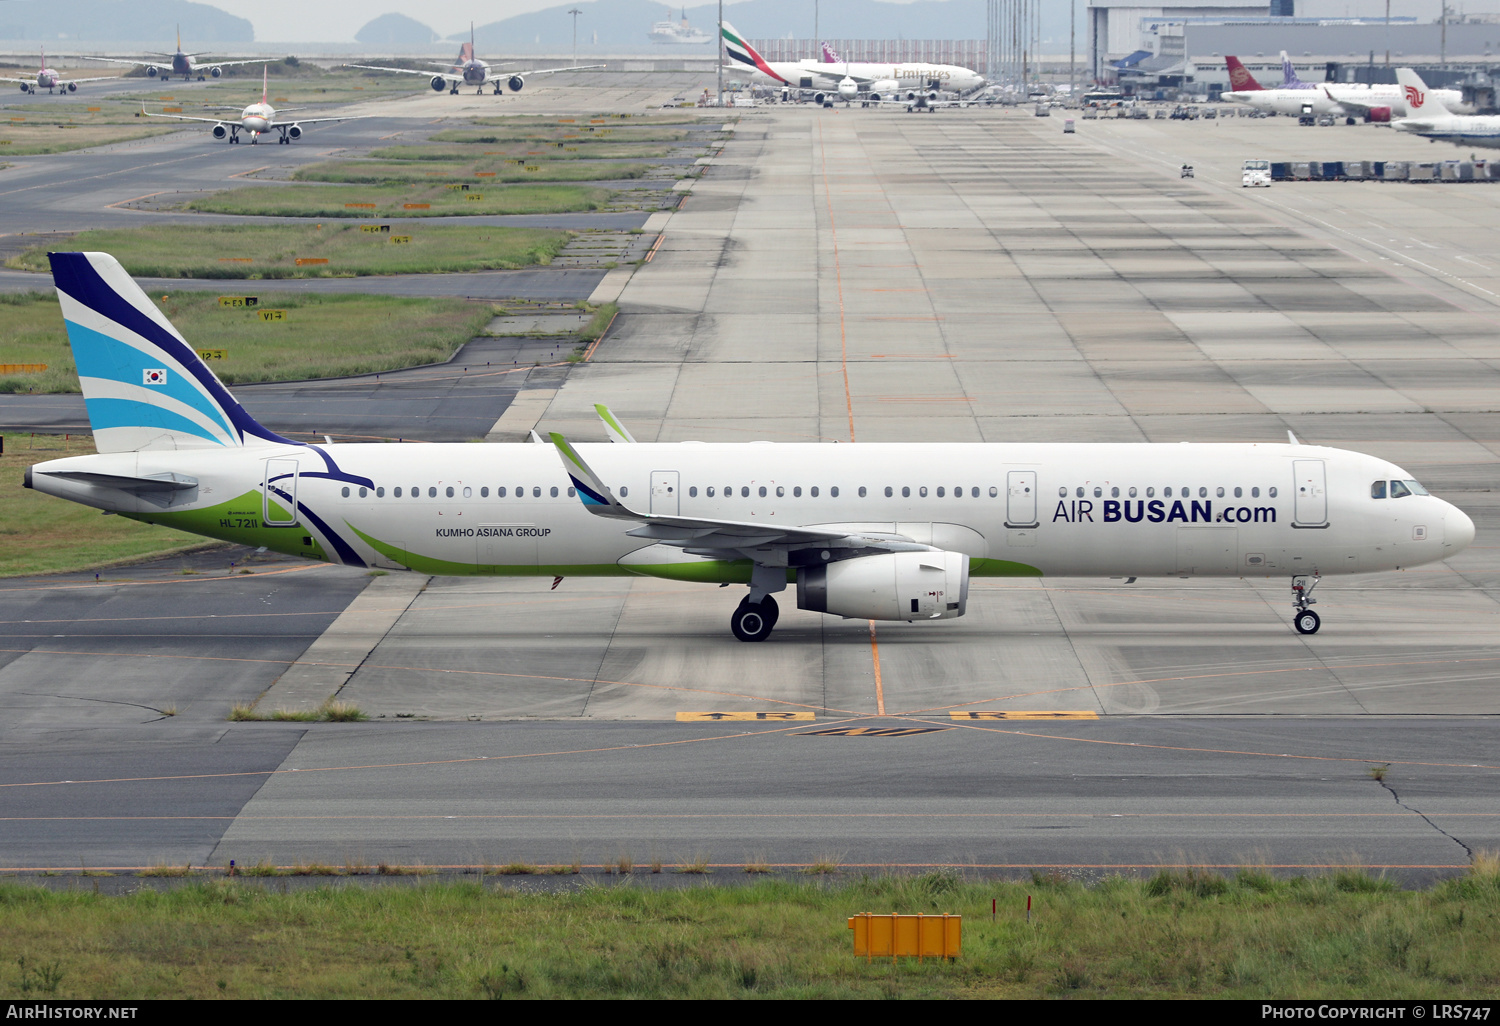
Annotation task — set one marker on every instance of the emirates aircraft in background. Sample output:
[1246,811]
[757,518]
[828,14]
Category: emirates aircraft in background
[181,64]
[848,80]
[1378,102]
[47,79]
[255,120]
[469,70]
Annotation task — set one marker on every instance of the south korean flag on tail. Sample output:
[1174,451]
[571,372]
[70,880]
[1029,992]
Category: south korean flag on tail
[154,376]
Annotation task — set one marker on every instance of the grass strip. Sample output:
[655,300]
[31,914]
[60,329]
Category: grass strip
[41,534]
[273,251]
[391,200]
[17,140]
[492,169]
[319,336]
[1175,935]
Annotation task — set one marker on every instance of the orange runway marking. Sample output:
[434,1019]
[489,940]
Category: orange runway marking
[409,765]
[1324,668]
[134,198]
[879,687]
[1208,751]
[242,174]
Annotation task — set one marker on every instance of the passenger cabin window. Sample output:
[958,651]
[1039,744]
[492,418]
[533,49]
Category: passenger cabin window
[1377,490]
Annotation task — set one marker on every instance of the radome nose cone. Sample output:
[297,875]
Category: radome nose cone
[1458,529]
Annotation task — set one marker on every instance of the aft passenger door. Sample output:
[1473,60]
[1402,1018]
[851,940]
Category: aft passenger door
[1311,495]
[279,498]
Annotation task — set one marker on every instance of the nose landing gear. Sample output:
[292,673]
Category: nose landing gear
[1304,619]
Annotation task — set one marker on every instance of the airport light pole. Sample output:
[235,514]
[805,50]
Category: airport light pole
[719,50]
[575,12]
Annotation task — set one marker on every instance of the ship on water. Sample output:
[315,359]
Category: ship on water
[670,31]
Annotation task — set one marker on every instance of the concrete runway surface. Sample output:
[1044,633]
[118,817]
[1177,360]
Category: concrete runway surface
[870,275]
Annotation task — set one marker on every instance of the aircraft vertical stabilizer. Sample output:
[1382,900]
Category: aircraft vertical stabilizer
[1240,79]
[143,385]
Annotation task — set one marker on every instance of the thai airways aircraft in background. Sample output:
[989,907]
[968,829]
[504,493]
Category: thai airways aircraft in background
[844,80]
[182,64]
[869,531]
[469,70]
[47,79]
[1379,102]
[1432,121]
[255,120]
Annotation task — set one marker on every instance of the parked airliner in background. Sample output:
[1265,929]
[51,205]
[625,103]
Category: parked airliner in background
[1379,102]
[469,70]
[47,79]
[1432,121]
[182,64]
[255,120]
[873,531]
[877,83]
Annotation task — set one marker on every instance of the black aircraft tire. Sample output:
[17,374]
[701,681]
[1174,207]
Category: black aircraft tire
[1307,622]
[753,622]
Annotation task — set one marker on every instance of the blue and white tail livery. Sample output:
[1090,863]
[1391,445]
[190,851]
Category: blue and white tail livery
[144,386]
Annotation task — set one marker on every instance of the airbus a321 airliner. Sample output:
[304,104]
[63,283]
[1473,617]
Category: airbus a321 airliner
[877,531]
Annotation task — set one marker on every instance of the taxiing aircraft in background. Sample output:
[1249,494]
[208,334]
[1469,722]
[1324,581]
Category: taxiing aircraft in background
[879,531]
[182,64]
[47,79]
[255,120]
[469,70]
[1433,121]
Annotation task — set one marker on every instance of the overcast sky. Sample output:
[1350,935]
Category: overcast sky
[338,20]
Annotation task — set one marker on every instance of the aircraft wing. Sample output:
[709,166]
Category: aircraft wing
[1353,106]
[760,542]
[317,121]
[450,76]
[187,117]
[139,64]
[550,71]
[63,81]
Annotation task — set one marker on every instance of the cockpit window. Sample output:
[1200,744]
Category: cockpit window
[1377,490]
[1416,489]
[1399,490]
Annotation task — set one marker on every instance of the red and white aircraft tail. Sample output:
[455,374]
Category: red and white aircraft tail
[1240,79]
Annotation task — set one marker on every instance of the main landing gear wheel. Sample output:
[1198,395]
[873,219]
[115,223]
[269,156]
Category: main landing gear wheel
[1306,622]
[753,621]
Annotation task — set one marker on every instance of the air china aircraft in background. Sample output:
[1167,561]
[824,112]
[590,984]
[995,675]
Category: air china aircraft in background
[47,79]
[1432,121]
[873,531]
[469,70]
[181,64]
[254,120]
[902,83]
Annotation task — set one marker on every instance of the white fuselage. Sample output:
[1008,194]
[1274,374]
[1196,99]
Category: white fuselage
[1227,510]
[810,74]
[258,118]
[1326,99]
[1476,130]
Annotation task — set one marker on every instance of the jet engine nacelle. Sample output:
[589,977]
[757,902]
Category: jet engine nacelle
[886,88]
[151,72]
[220,131]
[439,83]
[1379,114]
[848,88]
[25,88]
[818,98]
[516,83]
[72,87]
[215,72]
[892,586]
[294,132]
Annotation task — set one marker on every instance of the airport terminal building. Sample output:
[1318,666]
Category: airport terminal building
[1151,47]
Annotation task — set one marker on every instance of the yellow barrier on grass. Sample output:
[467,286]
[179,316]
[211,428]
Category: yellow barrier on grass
[919,936]
[22,368]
